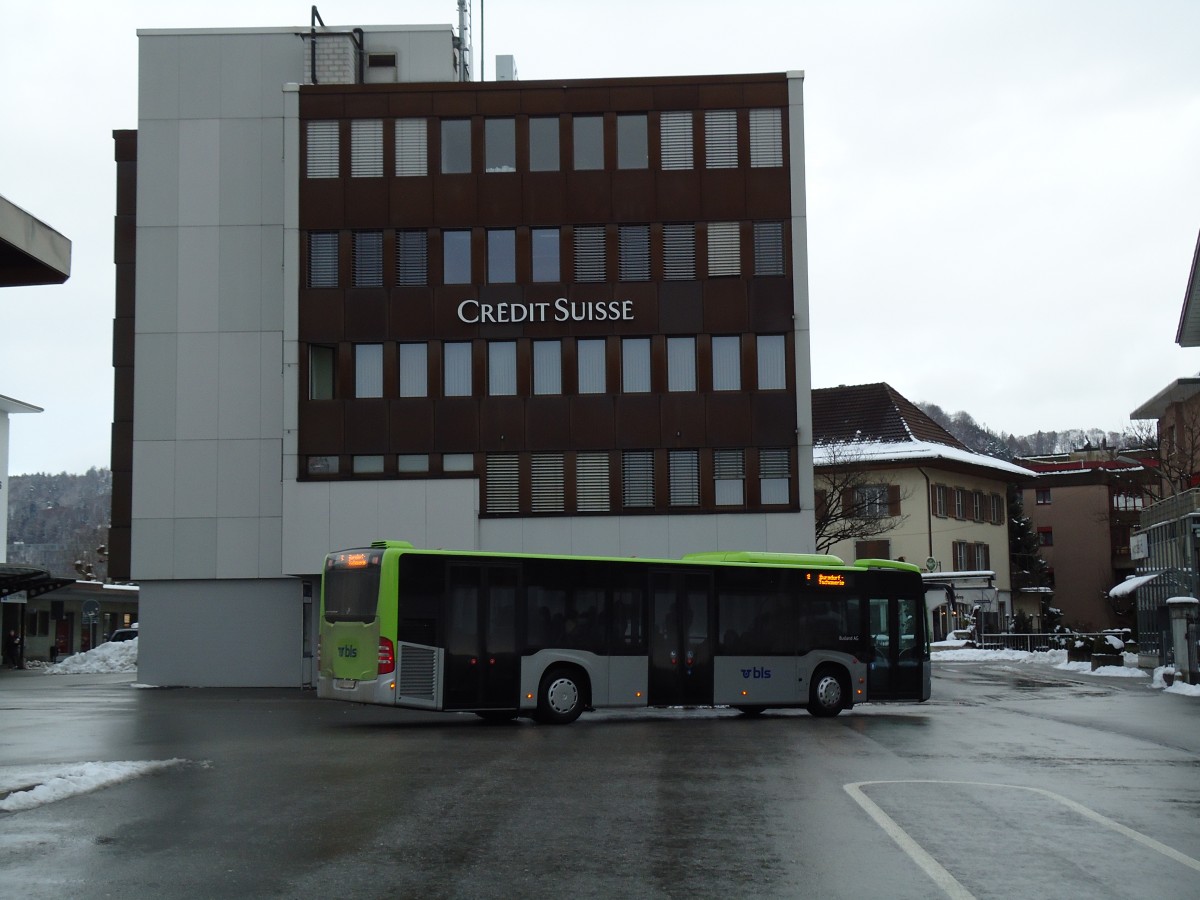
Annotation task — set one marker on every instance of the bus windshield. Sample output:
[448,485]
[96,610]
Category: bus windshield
[352,586]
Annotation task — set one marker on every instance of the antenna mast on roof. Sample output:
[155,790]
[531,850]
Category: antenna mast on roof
[463,41]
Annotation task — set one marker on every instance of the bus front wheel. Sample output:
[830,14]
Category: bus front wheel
[827,696]
[560,697]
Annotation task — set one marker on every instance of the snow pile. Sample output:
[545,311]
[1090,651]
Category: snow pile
[25,788]
[1056,658]
[115,657]
[1179,687]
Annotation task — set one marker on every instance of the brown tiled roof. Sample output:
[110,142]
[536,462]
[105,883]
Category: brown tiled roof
[872,412]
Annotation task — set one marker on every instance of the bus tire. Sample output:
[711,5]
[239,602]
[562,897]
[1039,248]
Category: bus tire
[828,693]
[562,696]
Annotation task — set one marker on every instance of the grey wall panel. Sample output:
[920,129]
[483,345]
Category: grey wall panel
[281,58]
[195,402]
[271,297]
[157,282]
[154,387]
[199,182]
[237,548]
[157,174]
[152,543]
[238,472]
[239,279]
[270,363]
[198,59]
[239,387]
[306,526]
[154,480]
[241,172]
[271,175]
[195,548]
[195,479]
[158,78]
[199,262]
[270,478]
[270,549]
[240,74]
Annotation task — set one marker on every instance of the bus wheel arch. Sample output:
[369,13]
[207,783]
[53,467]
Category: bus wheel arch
[829,692]
[563,693]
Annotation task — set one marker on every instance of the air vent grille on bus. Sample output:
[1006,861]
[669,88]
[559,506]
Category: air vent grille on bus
[418,672]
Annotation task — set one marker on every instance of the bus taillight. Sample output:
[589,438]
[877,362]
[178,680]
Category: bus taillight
[387,657]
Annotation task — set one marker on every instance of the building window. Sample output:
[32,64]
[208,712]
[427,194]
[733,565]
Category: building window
[366,148]
[367,270]
[456,146]
[772,362]
[412,258]
[456,257]
[412,462]
[983,561]
[322,155]
[997,509]
[412,148]
[681,364]
[545,244]
[546,484]
[871,501]
[632,143]
[774,476]
[766,138]
[458,462]
[960,503]
[768,248]
[684,477]
[637,479]
[977,506]
[320,372]
[1045,536]
[720,139]
[633,263]
[675,131]
[591,482]
[589,142]
[1128,502]
[368,370]
[592,366]
[322,465]
[456,369]
[547,367]
[961,563]
[367,465]
[543,144]
[502,493]
[635,365]
[724,249]
[873,549]
[323,259]
[499,145]
[729,477]
[727,363]
[502,368]
[414,370]
[1043,496]
[589,253]
[502,256]
[939,500]
[679,252]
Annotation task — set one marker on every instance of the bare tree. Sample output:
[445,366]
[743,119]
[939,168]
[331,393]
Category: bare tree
[851,502]
[1179,447]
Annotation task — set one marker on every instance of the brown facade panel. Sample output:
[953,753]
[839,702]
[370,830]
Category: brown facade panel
[593,421]
[544,197]
[683,420]
[366,426]
[119,544]
[725,303]
[547,423]
[122,342]
[411,425]
[367,202]
[411,201]
[638,421]
[454,200]
[366,315]
[322,204]
[771,304]
[723,195]
[126,276]
[774,419]
[321,427]
[680,307]
[500,201]
[727,420]
[123,398]
[501,424]
[677,195]
[769,193]
[456,424]
[588,197]
[633,197]
[321,314]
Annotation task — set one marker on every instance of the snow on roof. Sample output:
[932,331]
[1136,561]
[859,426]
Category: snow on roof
[906,451]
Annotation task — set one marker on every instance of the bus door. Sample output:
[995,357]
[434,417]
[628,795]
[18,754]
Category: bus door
[483,663]
[681,646]
[897,635]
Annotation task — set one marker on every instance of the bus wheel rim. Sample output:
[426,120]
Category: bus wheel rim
[562,695]
[829,691]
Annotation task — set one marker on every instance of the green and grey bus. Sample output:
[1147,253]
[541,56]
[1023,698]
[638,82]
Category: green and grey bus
[521,634]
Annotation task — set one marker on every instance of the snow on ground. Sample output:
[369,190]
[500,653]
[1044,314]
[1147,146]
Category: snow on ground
[1058,660]
[24,787]
[114,657]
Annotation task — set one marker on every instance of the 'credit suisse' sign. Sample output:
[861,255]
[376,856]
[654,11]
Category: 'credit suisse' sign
[475,312]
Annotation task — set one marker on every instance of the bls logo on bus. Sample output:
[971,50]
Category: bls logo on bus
[756,672]
[347,652]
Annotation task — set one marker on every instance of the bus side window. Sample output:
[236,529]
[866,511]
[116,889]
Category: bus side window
[627,617]
[421,580]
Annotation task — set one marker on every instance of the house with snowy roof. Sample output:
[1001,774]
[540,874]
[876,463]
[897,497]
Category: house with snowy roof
[931,501]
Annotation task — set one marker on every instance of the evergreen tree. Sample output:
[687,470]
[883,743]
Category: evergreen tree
[1027,567]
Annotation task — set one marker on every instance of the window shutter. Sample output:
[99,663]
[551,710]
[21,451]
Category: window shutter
[720,139]
[768,248]
[368,259]
[774,476]
[684,478]
[546,489]
[766,138]
[634,258]
[412,148]
[675,129]
[679,252]
[724,249]
[591,482]
[366,148]
[821,503]
[412,258]
[729,475]
[589,253]
[637,479]
[893,496]
[322,159]
[323,259]
[502,494]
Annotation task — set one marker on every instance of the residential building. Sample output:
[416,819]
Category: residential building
[877,456]
[559,316]
[1083,507]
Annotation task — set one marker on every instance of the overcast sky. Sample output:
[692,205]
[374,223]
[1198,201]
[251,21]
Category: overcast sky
[1003,197]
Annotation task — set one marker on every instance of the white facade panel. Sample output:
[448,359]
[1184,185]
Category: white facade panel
[158,80]
[270,477]
[270,380]
[197,375]
[195,549]
[239,63]
[154,387]
[237,548]
[237,479]
[156,284]
[153,547]
[239,385]
[154,479]
[270,548]
[199,182]
[306,525]
[240,294]
[271,248]
[199,64]
[221,633]
[196,479]
[157,175]
[199,261]
[241,158]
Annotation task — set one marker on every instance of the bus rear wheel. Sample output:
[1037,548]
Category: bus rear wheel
[827,695]
[560,697]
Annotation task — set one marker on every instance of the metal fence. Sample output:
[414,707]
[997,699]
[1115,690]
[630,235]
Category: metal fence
[1037,642]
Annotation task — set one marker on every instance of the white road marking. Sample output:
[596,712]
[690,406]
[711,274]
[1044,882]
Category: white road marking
[950,885]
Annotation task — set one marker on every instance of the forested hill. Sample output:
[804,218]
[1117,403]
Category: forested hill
[1001,445]
[54,520]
